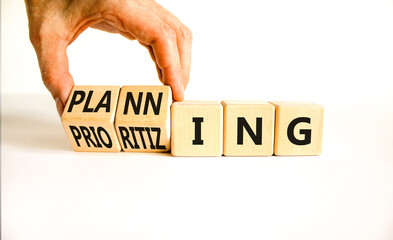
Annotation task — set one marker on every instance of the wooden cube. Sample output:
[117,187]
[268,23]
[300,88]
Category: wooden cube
[196,128]
[143,118]
[88,118]
[298,129]
[248,128]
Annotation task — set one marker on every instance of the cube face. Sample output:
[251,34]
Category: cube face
[88,118]
[248,128]
[143,138]
[196,128]
[143,118]
[92,137]
[298,130]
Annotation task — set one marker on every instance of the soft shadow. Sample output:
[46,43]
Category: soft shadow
[27,131]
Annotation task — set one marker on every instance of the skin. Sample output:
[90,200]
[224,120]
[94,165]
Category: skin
[55,24]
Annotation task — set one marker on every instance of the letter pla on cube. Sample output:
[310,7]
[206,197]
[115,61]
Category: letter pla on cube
[88,118]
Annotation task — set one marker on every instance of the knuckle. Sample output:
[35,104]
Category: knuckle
[54,81]
[49,78]
[168,33]
[38,34]
[44,32]
[185,33]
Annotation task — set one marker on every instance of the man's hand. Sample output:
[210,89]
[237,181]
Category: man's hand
[55,24]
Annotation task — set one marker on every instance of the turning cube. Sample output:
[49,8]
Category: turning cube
[248,128]
[196,128]
[298,128]
[88,118]
[143,118]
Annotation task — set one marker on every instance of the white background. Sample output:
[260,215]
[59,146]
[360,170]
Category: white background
[337,53]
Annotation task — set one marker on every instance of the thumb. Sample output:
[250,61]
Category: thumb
[53,61]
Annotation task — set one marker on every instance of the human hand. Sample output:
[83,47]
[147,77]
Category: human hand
[55,24]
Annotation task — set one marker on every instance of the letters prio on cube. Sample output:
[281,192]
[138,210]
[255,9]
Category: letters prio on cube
[88,118]
[143,119]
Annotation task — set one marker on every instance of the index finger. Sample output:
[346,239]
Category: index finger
[148,28]
[184,36]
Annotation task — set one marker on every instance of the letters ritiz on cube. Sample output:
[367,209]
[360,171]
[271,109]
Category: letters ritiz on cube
[142,119]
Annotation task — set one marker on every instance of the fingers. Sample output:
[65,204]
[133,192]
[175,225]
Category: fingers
[184,45]
[153,57]
[150,29]
[53,61]
[167,39]
[184,37]
[166,53]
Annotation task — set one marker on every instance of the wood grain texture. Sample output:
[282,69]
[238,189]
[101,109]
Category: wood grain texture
[298,128]
[243,116]
[196,128]
[88,118]
[143,118]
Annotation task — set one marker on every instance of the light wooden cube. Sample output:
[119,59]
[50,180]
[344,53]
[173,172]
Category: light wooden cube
[88,118]
[298,128]
[143,118]
[196,128]
[248,128]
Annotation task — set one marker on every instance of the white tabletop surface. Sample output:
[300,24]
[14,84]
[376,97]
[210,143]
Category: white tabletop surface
[48,191]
